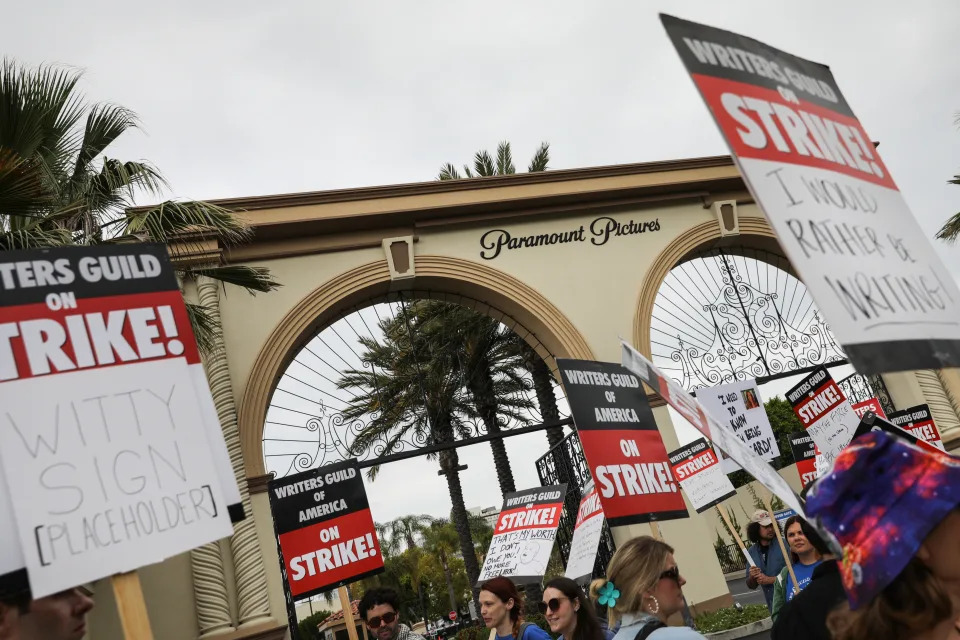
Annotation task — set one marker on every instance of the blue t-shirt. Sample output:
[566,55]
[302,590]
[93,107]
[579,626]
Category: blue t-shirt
[803,572]
[532,632]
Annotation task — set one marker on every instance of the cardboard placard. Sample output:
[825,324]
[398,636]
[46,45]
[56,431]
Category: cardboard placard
[740,405]
[586,536]
[621,442]
[825,413]
[709,425]
[324,528]
[919,421]
[871,404]
[524,534]
[804,454]
[697,467]
[114,471]
[782,516]
[829,198]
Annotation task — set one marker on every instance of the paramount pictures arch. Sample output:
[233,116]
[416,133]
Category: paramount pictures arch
[567,278]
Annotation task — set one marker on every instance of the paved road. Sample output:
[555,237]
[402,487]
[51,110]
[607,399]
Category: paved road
[742,594]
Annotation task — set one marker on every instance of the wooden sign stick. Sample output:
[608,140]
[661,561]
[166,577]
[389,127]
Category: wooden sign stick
[348,613]
[655,529]
[783,548]
[131,606]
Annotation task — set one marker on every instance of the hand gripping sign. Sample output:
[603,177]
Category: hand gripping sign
[710,426]
[829,198]
[524,534]
[621,443]
[122,463]
[324,527]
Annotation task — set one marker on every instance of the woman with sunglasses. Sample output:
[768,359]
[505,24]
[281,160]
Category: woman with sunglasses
[501,608]
[643,588]
[569,613]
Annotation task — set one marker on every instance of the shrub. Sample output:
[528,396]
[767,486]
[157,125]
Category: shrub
[730,618]
[308,626]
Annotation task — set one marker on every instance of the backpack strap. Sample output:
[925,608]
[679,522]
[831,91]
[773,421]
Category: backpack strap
[648,629]
[523,630]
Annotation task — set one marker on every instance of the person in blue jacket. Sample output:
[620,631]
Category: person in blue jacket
[766,555]
[501,608]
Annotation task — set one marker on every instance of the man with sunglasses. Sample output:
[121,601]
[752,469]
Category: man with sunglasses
[379,610]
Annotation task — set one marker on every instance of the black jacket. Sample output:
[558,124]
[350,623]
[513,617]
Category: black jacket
[805,616]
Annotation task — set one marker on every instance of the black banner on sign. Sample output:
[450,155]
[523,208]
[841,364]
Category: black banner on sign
[325,529]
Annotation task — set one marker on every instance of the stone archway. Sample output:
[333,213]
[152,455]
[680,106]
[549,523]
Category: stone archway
[439,274]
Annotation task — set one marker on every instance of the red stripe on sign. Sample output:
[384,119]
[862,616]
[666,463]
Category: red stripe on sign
[98,332]
[540,516]
[759,123]
[330,552]
[589,507]
[692,466]
[819,403]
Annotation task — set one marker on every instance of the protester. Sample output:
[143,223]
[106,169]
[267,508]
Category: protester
[893,510]
[766,555]
[501,608]
[379,609]
[61,616]
[643,588]
[569,613]
[806,552]
[805,617]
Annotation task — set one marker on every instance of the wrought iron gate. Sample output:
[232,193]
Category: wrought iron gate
[565,463]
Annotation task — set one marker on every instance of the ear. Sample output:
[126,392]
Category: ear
[510,604]
[923,553]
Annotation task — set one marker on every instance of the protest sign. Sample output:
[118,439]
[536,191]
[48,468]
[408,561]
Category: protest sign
[919,421]
[324,528]
[621,443]
[709,425]
[739,404]
[824,412]
[586,536]
[804,454]
[829,198]
[114,470]
[782,516]
[524,535]
[697,467]
[871,422]
[871,404]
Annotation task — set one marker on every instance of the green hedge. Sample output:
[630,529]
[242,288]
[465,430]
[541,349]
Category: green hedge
[730,618]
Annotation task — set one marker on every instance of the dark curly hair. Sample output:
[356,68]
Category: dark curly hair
[380,595]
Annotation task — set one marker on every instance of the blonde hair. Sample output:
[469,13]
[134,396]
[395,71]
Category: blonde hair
[634,569]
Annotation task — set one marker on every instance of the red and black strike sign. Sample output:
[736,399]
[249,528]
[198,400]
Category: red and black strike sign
[697,467]
[324,528]
[871,404]
[919,421]
[805,455]
[621,442]
[870,422]
[815,397]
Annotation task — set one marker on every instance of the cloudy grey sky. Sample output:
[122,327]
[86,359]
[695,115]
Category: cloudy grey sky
[249,98]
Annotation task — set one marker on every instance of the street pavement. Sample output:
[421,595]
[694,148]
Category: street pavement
[744,595]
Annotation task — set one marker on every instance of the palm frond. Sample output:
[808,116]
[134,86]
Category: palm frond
[105,123]
[483,164]
[950,230]
[165,221]
[541,158]
[504,159]
[253,279]
[34,237]
[448,172]
[204,327]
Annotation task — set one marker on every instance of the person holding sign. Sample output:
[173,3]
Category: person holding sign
[894,510]
[61,616]
[768,560]
[501,608]
[569,613]
[643,588]
[807,549]
[379,609]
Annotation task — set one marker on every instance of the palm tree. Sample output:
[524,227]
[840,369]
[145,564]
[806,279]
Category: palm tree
[543,382]
[951,228]
[58,187]
[440,540]
[481,348]
[408,393]
[407,528]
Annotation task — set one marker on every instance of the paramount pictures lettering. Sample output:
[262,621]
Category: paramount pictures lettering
[493,242]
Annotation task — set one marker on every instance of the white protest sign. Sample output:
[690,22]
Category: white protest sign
[524,534]
[701,477]
[586,536]
[825,413]
[119,467]
[709,425]
[829,198]
[740,405]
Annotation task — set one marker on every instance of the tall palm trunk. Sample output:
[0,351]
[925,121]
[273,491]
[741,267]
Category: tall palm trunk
[449,463]
[543,386]
[449,577]
[481,388]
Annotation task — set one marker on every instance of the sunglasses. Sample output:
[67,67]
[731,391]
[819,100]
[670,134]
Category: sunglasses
[673,574]
[387,618]
[553,604]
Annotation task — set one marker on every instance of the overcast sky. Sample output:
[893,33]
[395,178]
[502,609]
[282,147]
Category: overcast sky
[246,98]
